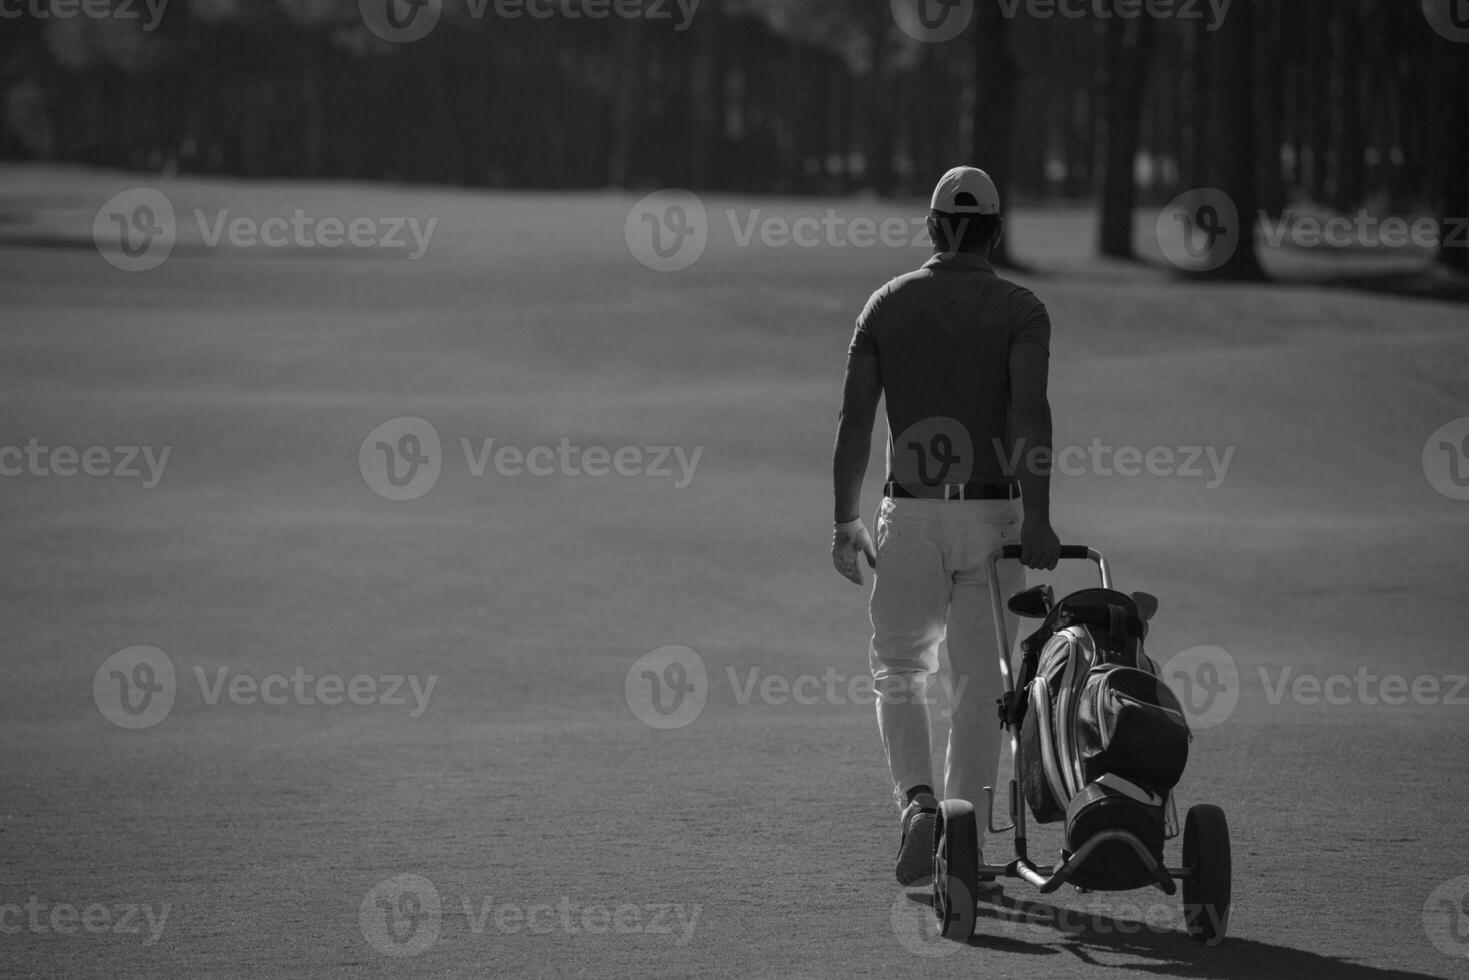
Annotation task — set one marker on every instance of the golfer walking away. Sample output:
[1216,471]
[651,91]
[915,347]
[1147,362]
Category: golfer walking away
[961,356]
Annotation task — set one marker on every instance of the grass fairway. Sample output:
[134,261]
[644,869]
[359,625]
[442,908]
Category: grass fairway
[563,836]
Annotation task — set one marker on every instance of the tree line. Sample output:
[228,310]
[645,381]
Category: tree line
[1348,103]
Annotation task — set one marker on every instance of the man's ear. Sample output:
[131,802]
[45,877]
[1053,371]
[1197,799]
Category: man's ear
[932,224]
[999,233]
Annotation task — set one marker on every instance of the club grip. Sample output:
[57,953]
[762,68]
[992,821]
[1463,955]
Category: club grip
[1080,551]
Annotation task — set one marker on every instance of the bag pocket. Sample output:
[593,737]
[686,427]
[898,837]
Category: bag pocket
[1131,724]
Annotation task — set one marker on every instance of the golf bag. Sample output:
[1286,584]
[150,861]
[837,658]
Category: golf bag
[1103,741]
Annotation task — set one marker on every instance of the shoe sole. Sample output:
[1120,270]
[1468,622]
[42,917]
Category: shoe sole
[915,857]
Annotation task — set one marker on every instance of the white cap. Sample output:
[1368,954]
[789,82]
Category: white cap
[982,197]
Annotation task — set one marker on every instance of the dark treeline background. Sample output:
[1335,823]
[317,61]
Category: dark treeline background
[1343,103]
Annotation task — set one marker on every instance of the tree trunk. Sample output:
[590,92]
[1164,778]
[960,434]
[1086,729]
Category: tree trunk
[714,147]
[1320,109]
[1126,61]
[1453,249]
[625,111]
[878,132]
[1351,129]
[1201,74]
[1235,136]
[995,73]
[1274,61]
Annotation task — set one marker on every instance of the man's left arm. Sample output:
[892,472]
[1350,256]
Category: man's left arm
[860,396]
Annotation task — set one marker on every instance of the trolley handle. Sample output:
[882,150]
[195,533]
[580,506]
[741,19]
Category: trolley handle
[1068,551]
[997,602]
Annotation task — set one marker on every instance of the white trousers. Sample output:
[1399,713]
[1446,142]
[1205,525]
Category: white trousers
[931,581]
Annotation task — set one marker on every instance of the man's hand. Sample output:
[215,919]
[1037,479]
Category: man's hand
[1039,546]
[848,541]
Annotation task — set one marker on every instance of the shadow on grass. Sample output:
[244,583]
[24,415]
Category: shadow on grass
[45,241]
[1029,927]
[1433,283]
[1430,281]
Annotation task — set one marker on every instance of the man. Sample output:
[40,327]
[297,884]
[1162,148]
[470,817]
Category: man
[962,357]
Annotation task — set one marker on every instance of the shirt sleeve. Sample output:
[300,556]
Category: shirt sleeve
[864,344]
[1035,327]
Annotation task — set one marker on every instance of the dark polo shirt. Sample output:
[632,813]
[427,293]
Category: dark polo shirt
[942,336]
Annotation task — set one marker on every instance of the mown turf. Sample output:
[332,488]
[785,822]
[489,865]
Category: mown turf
[528,780]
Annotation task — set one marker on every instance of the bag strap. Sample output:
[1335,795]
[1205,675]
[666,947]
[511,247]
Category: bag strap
[1115,620]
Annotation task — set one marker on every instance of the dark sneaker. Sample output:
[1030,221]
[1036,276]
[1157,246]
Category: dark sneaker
[915,853]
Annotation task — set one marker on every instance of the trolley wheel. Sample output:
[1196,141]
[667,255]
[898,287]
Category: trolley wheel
[955,869]
[1206,890]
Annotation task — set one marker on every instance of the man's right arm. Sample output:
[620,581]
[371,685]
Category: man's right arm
[1030,427]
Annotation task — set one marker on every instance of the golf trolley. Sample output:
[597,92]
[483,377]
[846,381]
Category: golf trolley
[1111,854]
